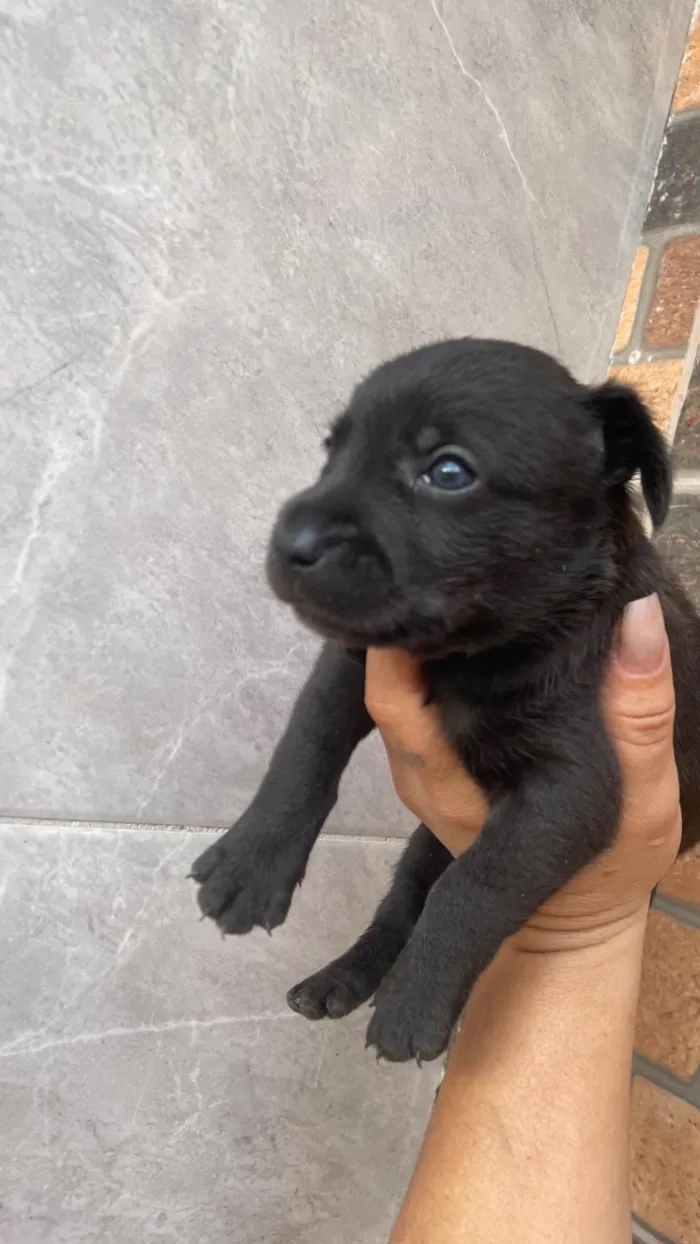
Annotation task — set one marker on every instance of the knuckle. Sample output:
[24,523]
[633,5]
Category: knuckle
[381,710]
[650,731]
[407,794]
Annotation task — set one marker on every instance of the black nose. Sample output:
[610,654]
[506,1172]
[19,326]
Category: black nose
[306,541]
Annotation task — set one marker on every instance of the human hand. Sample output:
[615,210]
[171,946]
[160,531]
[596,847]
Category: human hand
[638,706]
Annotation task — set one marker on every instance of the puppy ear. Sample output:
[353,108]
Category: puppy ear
[633,443]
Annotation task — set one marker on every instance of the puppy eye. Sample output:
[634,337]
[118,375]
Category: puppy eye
[449,473]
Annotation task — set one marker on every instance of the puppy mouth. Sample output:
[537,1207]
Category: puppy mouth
[337,612]
[355,600]
[373,631]
[392,621]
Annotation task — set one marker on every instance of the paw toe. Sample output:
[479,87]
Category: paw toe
[340,1002]
[305,1002]
[323,997]
[216,895]
[395,1037]
[205,863]
[277,909]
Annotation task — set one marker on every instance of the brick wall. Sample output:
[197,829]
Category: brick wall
[656,349]
[657,334]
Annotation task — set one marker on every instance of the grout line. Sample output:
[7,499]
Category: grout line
[694,1087]
[685,377]
[377,839]
[635,351]
[50,823]
[664,1079]
[645,1235]
[686,483]
[645,354]
[647,290]
[669,233]
[677,119]
[675,909]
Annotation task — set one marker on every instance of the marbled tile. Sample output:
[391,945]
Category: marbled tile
[215,218]
[153,1083]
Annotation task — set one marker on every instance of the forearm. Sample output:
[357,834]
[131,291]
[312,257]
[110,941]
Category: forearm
[528,1143]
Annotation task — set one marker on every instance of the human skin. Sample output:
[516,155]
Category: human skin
[528,1141]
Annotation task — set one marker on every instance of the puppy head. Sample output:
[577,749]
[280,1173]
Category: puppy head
[466,501]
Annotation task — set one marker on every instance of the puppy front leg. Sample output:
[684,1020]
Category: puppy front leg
[533,842]
[351,979]
[248,876]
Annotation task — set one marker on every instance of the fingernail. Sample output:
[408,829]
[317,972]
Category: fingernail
[642,638]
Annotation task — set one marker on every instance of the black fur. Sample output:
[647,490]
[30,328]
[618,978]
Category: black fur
[510,592]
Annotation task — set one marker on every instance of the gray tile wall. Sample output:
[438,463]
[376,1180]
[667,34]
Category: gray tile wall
[214,218]
[153,1084]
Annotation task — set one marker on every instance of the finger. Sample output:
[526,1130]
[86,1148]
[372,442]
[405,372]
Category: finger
[639,697]
[395,697]
[639,704]
[394,686]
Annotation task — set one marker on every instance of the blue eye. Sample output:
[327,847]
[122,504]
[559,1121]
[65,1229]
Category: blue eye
[449,473]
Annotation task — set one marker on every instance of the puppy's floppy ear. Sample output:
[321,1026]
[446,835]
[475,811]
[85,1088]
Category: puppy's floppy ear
[633,443]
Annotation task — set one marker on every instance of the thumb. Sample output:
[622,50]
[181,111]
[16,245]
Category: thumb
[639,699]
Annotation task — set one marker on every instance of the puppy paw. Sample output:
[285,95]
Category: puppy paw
[243,883]
[410,1021]
[331,993]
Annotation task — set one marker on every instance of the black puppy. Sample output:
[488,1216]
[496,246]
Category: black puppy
[473,510]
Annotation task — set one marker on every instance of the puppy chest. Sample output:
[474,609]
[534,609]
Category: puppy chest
[497,748]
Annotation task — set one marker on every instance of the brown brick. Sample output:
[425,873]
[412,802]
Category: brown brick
[668,1017]
[665,1157]
[629,306]
[683,881]
[675,196]
[675,300]
[687,92]
[656,383]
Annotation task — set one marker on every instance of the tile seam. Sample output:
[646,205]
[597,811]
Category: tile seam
[87,826]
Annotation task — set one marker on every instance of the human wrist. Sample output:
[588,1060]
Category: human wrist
[592,963]
[576,997]
[560,932]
